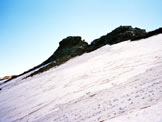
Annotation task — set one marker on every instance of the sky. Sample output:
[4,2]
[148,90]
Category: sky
[30,30]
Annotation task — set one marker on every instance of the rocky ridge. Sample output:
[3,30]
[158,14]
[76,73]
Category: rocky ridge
[120,34]
[73,46]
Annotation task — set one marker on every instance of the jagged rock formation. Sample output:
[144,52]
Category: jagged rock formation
[120,34]
[149,34]
[68,48]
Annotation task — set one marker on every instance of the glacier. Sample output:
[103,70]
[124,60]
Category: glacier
[118,83]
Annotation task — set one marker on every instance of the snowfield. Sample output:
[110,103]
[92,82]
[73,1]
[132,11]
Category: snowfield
[119,83]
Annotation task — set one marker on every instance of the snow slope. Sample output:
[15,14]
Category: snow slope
[119,83]
[2,81]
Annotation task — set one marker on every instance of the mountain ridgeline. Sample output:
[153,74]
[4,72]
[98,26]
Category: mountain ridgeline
[73,46]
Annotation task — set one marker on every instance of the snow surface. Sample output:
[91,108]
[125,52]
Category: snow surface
[119,83]
[2,81]
[17,80]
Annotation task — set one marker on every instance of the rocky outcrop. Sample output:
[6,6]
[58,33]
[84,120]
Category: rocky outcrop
[68,48]
[120,34]
[149,34]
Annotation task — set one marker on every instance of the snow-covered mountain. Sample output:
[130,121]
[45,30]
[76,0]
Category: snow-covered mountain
[118,83]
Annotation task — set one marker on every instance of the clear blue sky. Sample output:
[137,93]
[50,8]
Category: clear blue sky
[30,30]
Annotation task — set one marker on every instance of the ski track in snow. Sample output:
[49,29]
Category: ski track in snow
[116,83]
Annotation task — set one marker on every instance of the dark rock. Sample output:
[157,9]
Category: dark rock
[155,32]
[149,34]
[120,34]
[68,48]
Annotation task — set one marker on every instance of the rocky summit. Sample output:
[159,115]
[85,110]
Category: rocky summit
[68,48]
